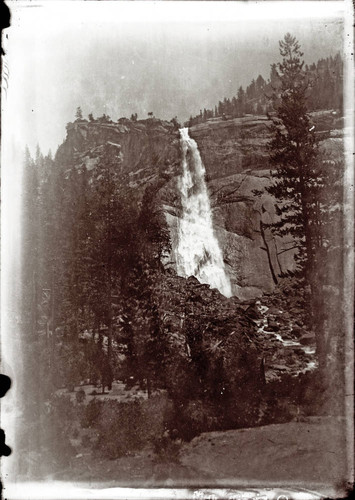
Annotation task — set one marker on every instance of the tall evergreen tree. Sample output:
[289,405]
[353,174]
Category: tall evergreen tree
[297,178]
[79,113]
[241,101]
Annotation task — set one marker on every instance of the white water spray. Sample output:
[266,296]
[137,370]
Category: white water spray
[197,253]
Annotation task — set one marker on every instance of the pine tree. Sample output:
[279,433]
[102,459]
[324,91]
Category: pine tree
[297,178]
[79,113]
[274,76]
[241,101]
[144,332]
[259,85]
[104,224]
[29,281]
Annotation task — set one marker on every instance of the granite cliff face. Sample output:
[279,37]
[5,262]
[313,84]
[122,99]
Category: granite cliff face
[230,147]
[147,149]
[235,155]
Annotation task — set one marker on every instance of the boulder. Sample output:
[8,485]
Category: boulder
[307,339]
[273,310]
[272,325]
[298,332]
[299,351]
[281,367]
[253,312]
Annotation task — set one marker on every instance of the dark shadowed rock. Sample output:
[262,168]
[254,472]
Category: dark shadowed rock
[253,312]
[307,339]
[272,325]
[298,332]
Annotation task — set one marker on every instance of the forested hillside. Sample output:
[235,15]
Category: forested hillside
[325,91]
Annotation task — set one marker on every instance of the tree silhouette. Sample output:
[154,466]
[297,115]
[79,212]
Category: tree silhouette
[299,184]
[79,113]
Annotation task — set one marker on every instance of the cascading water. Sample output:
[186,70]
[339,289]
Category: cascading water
[197,253]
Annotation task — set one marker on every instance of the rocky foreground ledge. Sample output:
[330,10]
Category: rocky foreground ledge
[304,457]
[309,454]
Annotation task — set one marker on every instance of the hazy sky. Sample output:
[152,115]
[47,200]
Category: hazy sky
[172,58]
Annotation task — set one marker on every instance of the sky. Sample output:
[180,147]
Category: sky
[170,58]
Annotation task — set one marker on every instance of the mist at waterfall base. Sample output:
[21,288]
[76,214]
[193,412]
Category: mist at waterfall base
[198,252]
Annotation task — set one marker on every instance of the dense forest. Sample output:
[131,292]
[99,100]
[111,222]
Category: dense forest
[101,302]
[99,305]
[324,91]
[91,241]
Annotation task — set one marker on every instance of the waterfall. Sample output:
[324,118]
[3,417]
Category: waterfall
[198,252]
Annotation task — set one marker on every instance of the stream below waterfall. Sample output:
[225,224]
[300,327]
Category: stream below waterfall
[283,352]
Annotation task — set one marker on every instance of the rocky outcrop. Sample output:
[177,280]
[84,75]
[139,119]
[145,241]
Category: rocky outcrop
[298,453]
[147,148]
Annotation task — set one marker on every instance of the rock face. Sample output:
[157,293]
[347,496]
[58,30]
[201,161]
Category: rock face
[230,147]
[235,155]
[269,455]
[147,148]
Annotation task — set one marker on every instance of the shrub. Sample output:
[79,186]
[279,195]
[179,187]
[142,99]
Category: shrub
[166,449]
[80,396]
[122,429]
[126,427]
[86,441]
[194,417]
[91,414]
[157,413]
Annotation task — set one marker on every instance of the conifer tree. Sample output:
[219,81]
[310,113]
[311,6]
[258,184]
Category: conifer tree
[293,152]
[241,101]
[306,186]
[296,176]
[79,113]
